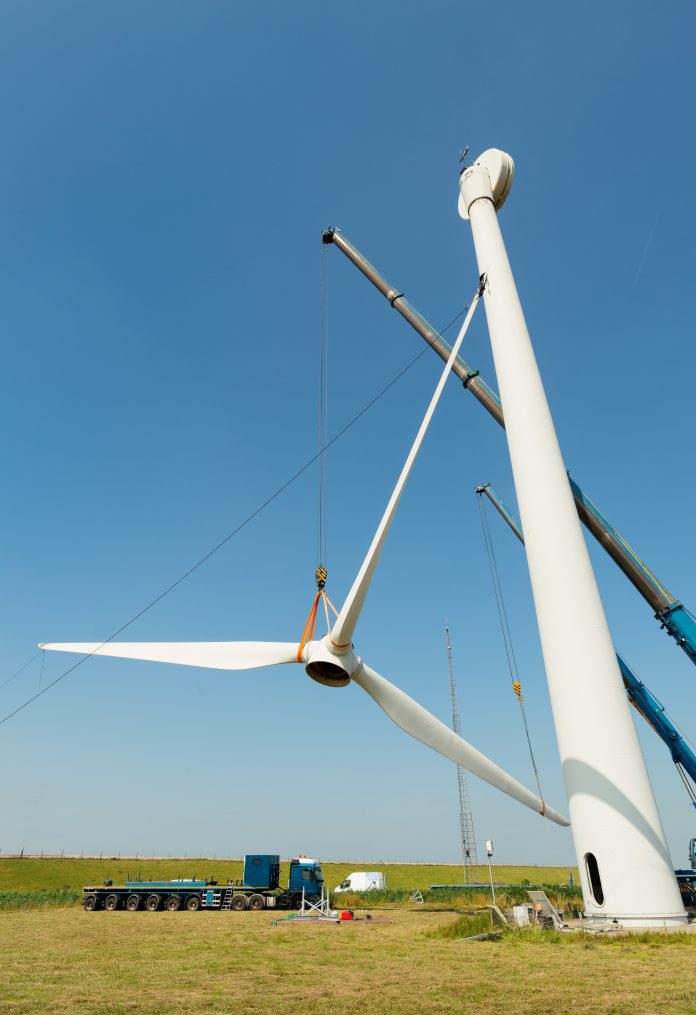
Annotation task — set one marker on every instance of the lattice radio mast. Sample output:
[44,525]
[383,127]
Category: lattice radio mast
[466,819]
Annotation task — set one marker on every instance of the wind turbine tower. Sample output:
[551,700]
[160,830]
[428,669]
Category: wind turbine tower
[625,867]
[466,818]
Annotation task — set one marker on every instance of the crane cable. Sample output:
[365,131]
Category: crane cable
[685,779]
[322,420]
[320,573]
[507,635]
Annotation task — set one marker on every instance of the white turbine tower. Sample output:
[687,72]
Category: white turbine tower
[624,863]
[332,660]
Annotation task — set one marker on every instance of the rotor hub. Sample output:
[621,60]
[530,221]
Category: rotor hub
[327,668]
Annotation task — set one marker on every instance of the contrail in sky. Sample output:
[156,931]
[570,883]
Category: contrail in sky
[647,246]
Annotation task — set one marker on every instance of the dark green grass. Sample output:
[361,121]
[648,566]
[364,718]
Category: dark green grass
[471,924]
[465,926]
[562,897]
[585,939]
[40,899]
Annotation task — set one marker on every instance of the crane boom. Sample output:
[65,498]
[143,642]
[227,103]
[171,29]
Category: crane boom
[640,696]
[669,611]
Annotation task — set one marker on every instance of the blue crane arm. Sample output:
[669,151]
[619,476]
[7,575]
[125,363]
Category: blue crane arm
[653,711]
[640,696]
[672,615]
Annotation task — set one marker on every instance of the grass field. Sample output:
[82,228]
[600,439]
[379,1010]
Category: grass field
[64,961]
[53,882]
[32,873]
[407,959]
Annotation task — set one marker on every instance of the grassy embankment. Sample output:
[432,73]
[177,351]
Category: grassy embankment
[398,964]
[54,882]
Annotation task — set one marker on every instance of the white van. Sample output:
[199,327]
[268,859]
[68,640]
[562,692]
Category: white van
[362,881]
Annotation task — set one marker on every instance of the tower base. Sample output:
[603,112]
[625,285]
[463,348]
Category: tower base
[636,921]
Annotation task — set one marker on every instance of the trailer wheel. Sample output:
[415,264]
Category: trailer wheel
[172,903]
[153,903]
[90,903]
[257,902]
[239,902]
[193,903]
[133,903]
[111,903]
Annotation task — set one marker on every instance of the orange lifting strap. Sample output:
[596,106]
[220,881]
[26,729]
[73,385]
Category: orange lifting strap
[308,632]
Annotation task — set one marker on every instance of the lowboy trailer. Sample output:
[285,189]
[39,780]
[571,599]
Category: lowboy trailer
[260,889]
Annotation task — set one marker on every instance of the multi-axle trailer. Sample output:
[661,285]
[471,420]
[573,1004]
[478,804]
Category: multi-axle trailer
[259,889]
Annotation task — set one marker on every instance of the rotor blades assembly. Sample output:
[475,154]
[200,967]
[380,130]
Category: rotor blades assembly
[332,661]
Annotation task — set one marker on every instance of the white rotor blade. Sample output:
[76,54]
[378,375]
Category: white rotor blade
[419,723]
[342,632]
[216,655]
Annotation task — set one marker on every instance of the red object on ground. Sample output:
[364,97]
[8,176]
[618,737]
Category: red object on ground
[346,915]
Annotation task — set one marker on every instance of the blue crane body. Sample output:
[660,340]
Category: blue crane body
[259,889]
[641,697]
[687,878]
[645,702]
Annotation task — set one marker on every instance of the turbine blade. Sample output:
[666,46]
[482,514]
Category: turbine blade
[342,632]
[216,655]
[419,723]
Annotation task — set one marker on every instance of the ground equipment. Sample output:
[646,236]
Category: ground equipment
[259,889]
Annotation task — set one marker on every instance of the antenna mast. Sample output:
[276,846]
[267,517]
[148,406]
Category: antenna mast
[466,819]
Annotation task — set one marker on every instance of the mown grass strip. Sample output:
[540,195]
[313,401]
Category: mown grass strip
[63,961]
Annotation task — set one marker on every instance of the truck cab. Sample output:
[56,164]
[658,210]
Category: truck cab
[305,873]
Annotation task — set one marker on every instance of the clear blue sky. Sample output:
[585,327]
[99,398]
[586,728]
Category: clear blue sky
[167,170]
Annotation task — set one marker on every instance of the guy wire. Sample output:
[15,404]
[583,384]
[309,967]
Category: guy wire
[230,535]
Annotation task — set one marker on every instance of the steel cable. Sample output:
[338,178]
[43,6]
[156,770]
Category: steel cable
[507,635]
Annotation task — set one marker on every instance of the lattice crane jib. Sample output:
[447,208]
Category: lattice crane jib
[466,818]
